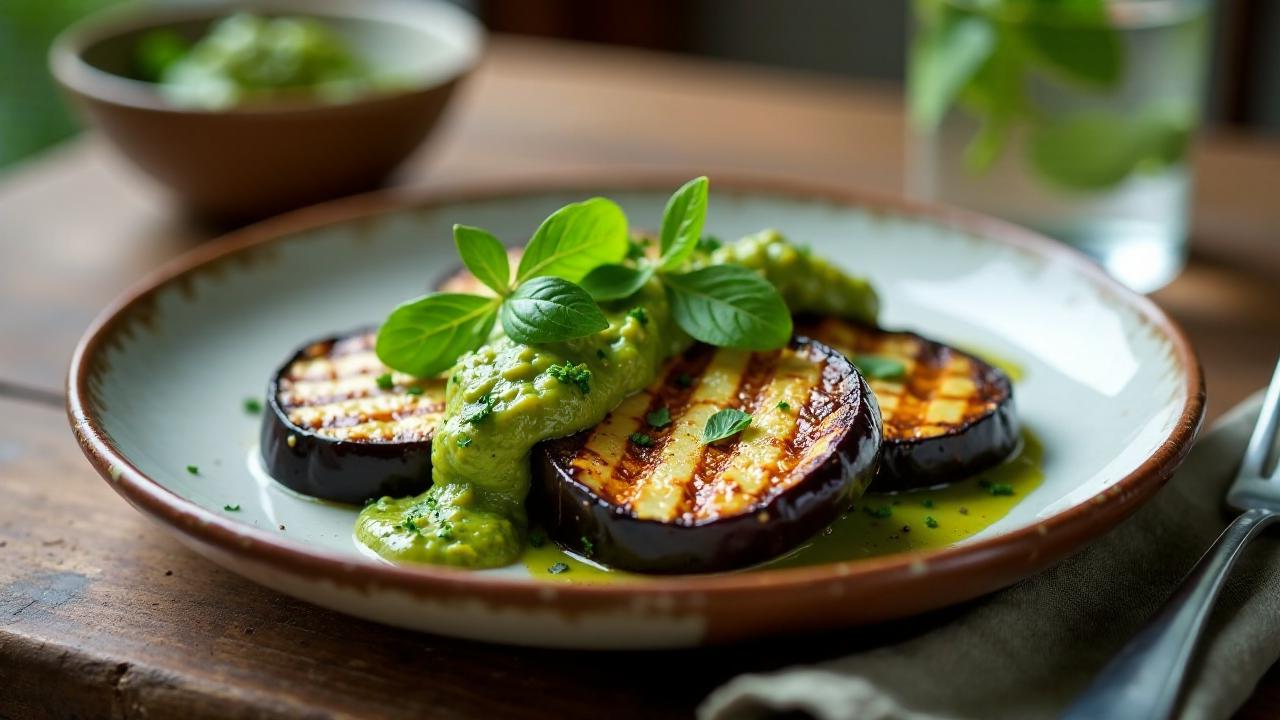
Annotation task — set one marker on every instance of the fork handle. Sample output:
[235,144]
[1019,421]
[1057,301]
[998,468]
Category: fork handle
[1144,680]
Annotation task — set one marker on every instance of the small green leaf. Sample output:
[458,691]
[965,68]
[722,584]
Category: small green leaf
[641,439]
[231,508]
[659,418]
[879,367]
[550,309]
[725,423]
[574,240]
[615,282]
[426,336]
[729,306]
[193,470]
[682,222]
[384,381]
[943,57]
[484,256]
[253,406]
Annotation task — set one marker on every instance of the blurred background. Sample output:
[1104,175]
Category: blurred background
[857,39]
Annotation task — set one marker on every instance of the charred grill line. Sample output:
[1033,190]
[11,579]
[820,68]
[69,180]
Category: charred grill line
[950,416]
[760,372]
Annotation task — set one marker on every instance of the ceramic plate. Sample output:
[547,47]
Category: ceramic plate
[1107,384]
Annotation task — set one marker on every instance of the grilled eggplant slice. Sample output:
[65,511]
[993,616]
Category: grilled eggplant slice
[948,416]
[334,431]
[641,492]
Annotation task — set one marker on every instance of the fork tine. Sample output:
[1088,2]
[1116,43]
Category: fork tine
[1264,433]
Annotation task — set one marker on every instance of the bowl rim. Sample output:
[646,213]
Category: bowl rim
[466,38]
[954,573]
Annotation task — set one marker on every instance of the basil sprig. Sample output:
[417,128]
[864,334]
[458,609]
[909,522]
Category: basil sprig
[427,335]
[574,260]
[722,305]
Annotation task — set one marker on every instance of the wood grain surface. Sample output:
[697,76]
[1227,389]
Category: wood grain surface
[104,615]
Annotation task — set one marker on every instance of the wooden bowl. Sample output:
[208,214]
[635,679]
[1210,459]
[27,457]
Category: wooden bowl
[259,158]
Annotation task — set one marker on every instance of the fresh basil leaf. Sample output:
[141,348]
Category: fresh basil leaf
[944,56]
[550,309]
[682,222]
[615,282]
[729,306]
[879,367]
[426,336]
[574,240]
[725,423]
[484,256]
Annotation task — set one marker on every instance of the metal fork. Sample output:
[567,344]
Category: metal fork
[1145,679]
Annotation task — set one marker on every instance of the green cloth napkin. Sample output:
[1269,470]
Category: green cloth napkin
[1025,652]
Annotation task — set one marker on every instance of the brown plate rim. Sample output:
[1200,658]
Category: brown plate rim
[1005,558]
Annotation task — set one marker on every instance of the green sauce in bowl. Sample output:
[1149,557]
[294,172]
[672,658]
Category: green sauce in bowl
[247,58]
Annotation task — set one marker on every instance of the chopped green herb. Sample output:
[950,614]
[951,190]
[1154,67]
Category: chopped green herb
[784,406]
[883,511]
[659,418]
[1000,489]
[927,503]
[588,547]
[415,390]
[231,508]
[253,406]
[384,381]
[476,412]
[709,243]
[639,314]
[411,526]
[558,568]
[683,380]
[641,439]
[445,532]
[880,367]
[464,440]
[931,523]
[537,539]
[193,469]
[571,374]
[725,423]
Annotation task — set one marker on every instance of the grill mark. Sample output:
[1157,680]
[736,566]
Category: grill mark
[331,391]
[337,419]
[905,405]
[664,491]
[628,476]
[759,373]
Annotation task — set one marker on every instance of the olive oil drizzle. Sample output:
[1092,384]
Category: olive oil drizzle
[879,524]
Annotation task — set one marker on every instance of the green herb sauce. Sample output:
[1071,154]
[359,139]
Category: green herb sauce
[503,399]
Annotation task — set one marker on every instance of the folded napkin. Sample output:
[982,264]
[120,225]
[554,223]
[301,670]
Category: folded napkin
[1025,652]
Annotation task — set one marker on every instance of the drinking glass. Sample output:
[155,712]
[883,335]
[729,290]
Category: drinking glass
[1073,117]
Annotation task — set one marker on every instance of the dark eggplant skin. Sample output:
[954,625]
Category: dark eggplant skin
[829,484]
[338,470]
[968,448]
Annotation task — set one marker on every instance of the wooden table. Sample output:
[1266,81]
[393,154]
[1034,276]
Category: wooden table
[102,614]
